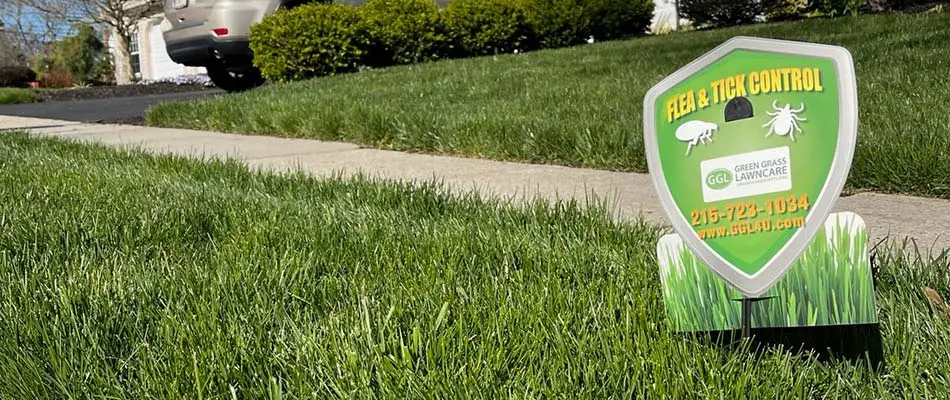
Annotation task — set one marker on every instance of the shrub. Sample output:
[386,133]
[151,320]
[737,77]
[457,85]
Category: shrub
[16,76]
[559,23]
[79,54]
[853,7]
[838,7]
[105,71]
[308,41]
[720,13]
[16,96]
[784,10]
[402,31]
[480,27]
[57,80]
[908,5]
[614,19]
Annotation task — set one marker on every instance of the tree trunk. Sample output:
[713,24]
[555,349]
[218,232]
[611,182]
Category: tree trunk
[123,60]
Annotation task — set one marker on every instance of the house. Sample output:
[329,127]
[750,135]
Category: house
[150,60]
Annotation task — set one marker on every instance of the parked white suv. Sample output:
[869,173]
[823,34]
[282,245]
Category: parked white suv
[214,34]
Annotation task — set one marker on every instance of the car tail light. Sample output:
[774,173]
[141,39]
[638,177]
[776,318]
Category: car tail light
[220,31]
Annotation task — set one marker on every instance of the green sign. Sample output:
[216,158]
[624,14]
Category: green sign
[749,146]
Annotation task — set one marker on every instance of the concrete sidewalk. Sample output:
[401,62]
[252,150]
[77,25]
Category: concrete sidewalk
[631,195]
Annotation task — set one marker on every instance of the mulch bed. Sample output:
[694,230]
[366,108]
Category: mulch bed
[108,92]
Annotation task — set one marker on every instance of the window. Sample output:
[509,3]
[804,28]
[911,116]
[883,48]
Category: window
[134,54]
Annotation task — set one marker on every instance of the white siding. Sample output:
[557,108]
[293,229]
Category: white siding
[154,62]
[160,64]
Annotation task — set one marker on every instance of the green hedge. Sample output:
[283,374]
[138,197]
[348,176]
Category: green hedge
[720,13]
[482,27]
[560,23]
[323,39]
[784,10]
[402,31]
[615,19]
[308,41]
[16,76]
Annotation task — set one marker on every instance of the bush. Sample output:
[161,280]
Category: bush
[879,5]
[308,41]
[57,80]
[323,39]
[562,23]
[105,71]
[559,23]
[16,76]
[614,19]
[480,27]
[785,10]
[720,13]
[777,10]
[403,31]
[838,7]
[79,54]
[902,5]
[16,96]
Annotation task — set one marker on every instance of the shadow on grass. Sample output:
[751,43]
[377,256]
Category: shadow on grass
[858,343]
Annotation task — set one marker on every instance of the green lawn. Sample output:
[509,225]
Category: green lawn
[583,106]
[17,96]
[124,275]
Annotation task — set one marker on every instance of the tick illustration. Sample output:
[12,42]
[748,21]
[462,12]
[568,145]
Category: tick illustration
[784,120]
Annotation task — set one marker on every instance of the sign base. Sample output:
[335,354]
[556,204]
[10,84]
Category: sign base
[858,343]
[825,302]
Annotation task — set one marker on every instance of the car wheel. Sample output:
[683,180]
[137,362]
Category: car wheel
[235,79]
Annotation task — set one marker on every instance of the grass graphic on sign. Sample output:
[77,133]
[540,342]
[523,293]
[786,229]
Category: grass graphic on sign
[829,284]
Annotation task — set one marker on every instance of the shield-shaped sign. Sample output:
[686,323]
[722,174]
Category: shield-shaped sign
[749,147]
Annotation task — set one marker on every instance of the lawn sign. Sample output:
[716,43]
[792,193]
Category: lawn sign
[749,147]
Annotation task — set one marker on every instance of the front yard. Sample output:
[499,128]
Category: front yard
[582,106]
[131,276]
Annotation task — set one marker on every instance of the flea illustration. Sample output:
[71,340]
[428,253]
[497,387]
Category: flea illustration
[784,120]
[694,132]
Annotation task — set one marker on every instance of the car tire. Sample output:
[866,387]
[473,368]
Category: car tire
[235,79]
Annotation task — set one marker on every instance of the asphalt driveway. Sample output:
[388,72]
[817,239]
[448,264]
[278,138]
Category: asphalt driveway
[125,110]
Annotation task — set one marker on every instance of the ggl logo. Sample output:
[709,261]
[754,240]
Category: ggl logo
[719,179]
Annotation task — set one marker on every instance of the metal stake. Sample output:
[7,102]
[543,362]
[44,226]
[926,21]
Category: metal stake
[747,313]
[746,317]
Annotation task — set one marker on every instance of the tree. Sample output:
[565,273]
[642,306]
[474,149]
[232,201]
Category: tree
[122,16]
[30,24]
[10,54]
[79,55]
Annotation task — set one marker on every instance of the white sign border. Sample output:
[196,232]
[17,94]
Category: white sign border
[775,268]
